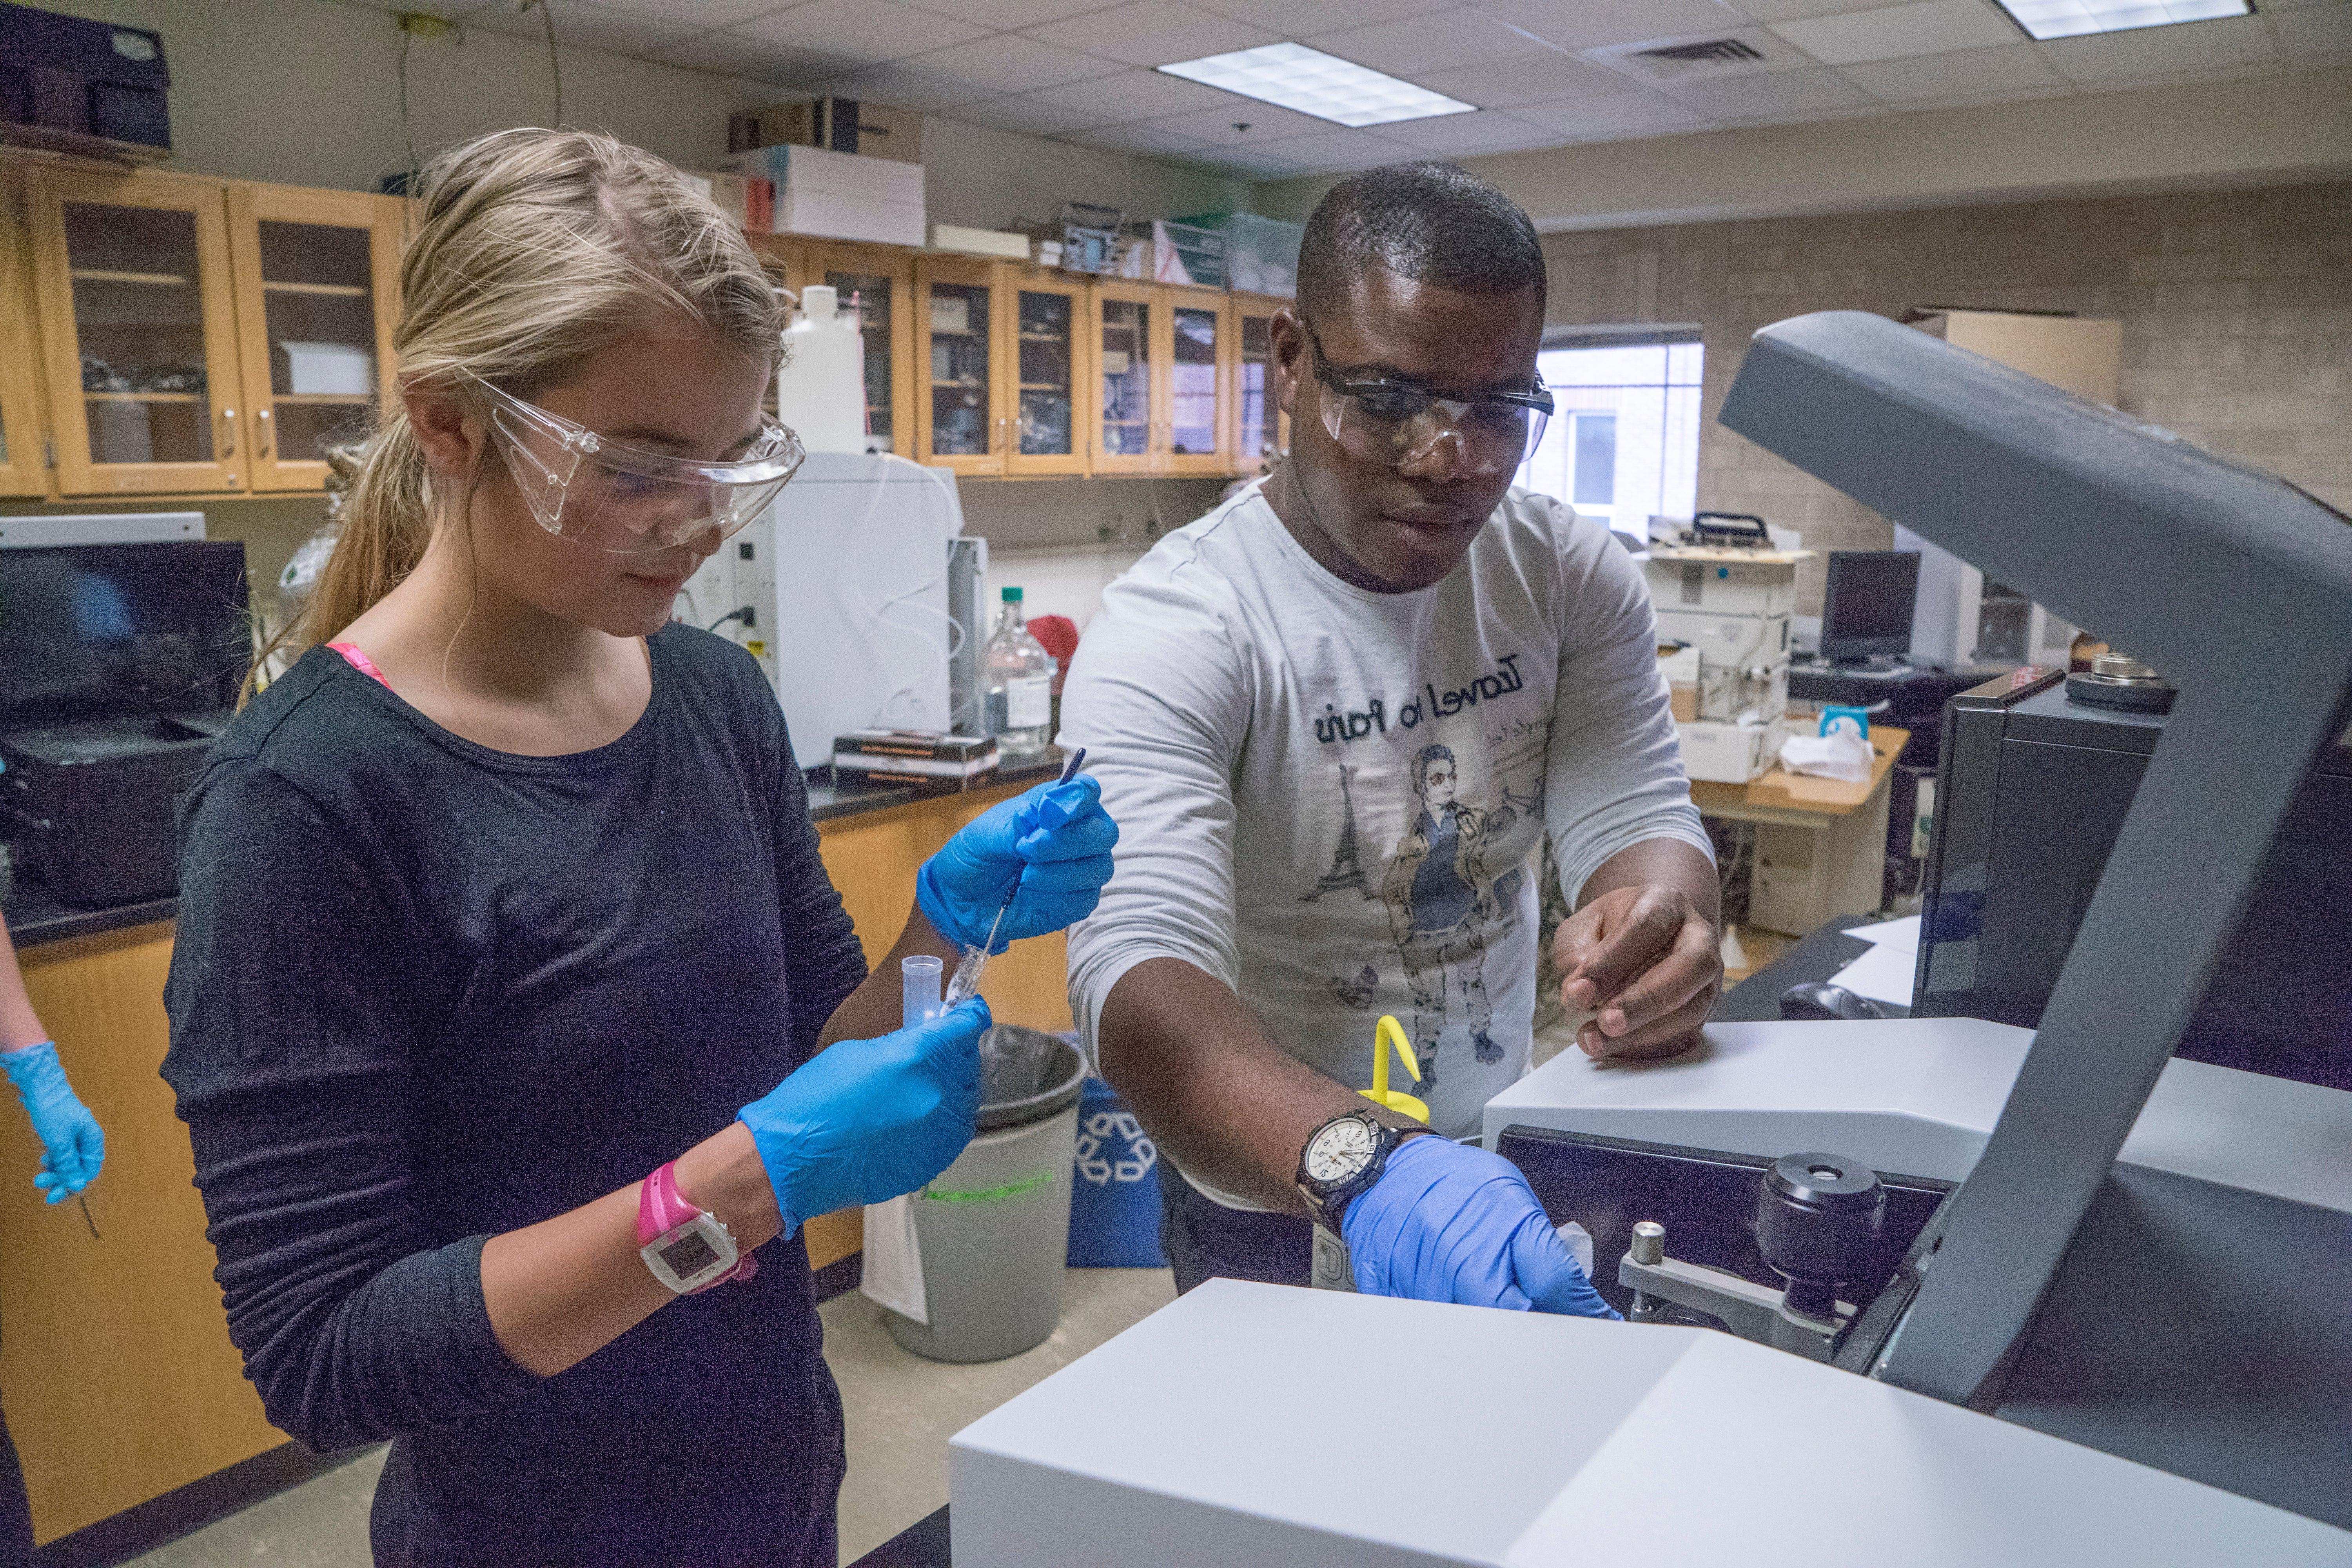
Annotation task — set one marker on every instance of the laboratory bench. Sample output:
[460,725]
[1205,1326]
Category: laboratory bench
[128,1403]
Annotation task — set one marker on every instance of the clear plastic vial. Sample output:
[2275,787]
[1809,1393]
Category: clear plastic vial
[1016,683]
[918,990]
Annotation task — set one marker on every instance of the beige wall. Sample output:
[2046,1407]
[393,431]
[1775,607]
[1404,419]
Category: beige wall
[2236,308]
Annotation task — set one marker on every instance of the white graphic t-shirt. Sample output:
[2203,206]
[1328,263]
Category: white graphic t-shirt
[1330,799]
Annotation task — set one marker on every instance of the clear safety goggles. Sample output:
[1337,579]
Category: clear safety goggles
[623,500]
[1393,424]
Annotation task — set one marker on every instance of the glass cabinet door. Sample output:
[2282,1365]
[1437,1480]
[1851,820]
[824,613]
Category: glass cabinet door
[24,471]
[138,332]
[1123,357]
[1196,384]
[1257,435]
[876,286]
[1048,350]
[961,425]
[315,271]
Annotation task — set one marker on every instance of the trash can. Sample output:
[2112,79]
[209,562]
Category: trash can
[1115,1198]
[993,1230]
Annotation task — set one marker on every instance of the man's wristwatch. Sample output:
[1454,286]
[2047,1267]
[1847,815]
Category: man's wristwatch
[688,1249]
[1345,1156]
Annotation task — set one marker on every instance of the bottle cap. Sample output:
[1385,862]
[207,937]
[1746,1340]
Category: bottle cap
[1011,595]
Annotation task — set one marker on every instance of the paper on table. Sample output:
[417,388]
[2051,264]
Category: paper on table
[892,1271]
[1883,974]
[1902,933]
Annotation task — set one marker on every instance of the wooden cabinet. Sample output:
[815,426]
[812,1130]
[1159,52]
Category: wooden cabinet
[1165,361]
[23,468]
[317,275]
[1196,358]
[878,282]
[1045,371]
[1131,395]
[959,414]
[138,322]
[1261,431]
[201,336]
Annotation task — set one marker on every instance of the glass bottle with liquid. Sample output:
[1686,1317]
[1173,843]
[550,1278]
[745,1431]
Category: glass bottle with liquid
[1016,682]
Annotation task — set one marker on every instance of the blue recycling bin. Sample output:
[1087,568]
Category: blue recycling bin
[1115,1195]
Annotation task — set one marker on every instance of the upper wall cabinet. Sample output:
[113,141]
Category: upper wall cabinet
[1260,430]
[879,283]
[205,336]
[24,471]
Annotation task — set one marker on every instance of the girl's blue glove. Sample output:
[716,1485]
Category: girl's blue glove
[1053,841]
[1446,1223]
[864,1121]
[72,1146]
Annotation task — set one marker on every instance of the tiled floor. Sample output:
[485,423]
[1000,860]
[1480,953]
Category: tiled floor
[901,1409]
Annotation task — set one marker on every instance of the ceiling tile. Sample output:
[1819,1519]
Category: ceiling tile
[686,13]
[2315,30]
[2163,51]
[1145,140]
[1138,94]
[1010,63]
[1008,13]
[755,59]
[1617,114]
[1264,123]
[1782,10]
[1900,32]
[901,88]
[1487,130]
[1769,94]
[1330,151]
[2014,67]
[1248,165]
[1546,79]
[1025,115]
[1300,18]
[1153,33]
[1440,41]
[862,30]
[1590,24]
[582,26]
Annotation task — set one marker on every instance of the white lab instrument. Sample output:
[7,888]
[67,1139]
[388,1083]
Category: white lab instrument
[821,385]
[1731,605]
[844,580]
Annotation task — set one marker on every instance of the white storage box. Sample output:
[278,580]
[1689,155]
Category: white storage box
[840,195]
[335,370]
[1729,753]
[839,214]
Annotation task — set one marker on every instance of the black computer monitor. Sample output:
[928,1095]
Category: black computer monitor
[1866,609]
[102,631]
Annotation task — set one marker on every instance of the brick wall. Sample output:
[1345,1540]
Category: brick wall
[2236,306]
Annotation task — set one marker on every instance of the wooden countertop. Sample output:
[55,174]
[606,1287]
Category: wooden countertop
[1801,792]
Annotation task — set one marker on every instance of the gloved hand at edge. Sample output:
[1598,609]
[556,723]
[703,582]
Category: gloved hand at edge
[865,1121]
[73,1146]
[1055,841]
[1447,1223]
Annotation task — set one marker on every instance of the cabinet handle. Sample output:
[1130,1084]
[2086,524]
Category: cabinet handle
[228,427]
[261,446]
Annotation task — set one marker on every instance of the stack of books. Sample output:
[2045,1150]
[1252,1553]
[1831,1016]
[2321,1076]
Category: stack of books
[933,762]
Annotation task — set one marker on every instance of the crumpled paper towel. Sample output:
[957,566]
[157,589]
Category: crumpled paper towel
[1838,756]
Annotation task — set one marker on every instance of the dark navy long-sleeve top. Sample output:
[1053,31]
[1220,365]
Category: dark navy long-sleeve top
[424,992]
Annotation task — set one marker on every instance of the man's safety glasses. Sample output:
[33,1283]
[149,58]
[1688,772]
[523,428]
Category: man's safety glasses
[1392,423]
[625,500]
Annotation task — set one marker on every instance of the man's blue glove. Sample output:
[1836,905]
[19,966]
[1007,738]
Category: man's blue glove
[1055,841]
[72,1146]
[1446,1223]
[864,1121]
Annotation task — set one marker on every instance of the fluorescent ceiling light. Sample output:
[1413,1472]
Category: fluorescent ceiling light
[1313,82]
[2073,18]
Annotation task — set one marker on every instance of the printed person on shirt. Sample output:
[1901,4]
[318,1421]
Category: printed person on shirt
[1440,901]
[1383,647]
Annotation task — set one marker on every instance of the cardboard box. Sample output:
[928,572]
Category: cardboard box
[728,194]
[2081,355]
[835,124]
[979,241]
[1729,753]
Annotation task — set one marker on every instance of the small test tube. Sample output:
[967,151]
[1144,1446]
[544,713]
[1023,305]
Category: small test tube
[918,990]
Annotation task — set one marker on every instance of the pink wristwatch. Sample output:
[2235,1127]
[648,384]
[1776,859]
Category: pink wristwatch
[688,1249]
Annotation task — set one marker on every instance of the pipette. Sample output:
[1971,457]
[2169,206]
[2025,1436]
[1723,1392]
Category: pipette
[965,983]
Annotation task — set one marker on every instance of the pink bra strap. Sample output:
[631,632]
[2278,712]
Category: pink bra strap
[361,663]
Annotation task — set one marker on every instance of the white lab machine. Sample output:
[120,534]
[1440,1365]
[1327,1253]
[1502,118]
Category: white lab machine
[845,578]
[1731,605]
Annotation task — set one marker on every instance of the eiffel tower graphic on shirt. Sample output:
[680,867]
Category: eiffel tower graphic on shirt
[1345,871]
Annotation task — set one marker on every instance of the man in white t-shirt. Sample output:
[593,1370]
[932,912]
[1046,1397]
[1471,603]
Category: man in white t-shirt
[1334,718]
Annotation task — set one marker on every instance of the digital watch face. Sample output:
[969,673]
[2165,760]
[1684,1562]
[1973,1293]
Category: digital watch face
[692,1256]
[1340,1151]
[689,1255]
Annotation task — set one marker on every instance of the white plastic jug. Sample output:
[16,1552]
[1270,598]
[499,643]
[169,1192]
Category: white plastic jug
[821,389]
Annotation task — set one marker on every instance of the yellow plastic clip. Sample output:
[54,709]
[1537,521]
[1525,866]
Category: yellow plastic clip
[1390,1033]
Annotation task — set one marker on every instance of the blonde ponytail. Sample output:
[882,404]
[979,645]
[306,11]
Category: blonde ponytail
[532,249]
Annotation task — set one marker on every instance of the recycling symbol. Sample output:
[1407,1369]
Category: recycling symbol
[1113,1130]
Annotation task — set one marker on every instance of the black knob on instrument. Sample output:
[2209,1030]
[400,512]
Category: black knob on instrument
[1817,1223]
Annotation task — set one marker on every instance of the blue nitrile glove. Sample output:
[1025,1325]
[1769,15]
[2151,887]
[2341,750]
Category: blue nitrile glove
[864,1121]
[72,1146]
[1055,840]
[1446,1223]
